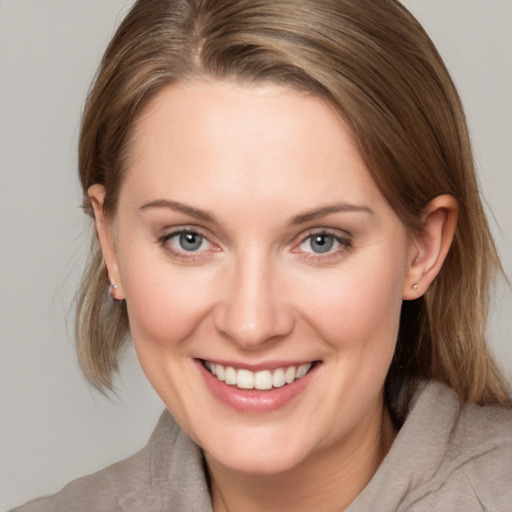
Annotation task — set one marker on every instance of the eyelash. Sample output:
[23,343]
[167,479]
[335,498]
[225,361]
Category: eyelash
[183,255]
[344,245]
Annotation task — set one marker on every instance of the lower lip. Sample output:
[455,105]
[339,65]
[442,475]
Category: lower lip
[255,401]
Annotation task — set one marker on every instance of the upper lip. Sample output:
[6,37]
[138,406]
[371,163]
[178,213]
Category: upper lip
[266,365]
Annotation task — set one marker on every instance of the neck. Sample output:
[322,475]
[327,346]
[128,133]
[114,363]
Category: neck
[326,481]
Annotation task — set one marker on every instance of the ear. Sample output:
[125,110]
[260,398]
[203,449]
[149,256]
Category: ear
[105,233]
[430,247]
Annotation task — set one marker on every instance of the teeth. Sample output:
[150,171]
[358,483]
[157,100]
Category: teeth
[230,376]
[278,379]
[262,380]
[245,379]
[289,375]
[220,373]
[302,370]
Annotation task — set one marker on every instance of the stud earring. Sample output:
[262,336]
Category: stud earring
[415,286]
[112,287]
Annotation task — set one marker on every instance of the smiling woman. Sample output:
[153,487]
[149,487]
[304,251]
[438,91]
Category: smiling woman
[289,231]
[249,281]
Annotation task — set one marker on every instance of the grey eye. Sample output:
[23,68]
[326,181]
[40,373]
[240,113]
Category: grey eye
[321,243]
[190,241]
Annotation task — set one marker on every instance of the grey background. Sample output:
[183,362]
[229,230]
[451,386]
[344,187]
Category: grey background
[53,426]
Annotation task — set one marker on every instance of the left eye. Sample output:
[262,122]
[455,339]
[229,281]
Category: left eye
[320,243]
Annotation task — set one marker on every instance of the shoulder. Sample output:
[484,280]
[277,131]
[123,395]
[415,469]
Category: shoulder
[121,487]
[474,469]
[446,457]
[479,457]
[98,492]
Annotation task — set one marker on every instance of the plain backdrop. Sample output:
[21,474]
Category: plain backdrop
[53,426]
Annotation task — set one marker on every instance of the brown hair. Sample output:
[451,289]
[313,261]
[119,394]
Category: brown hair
[371,60]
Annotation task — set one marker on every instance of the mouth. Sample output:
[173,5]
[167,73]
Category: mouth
[262,380]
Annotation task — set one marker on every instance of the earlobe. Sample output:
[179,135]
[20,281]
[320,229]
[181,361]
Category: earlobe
[430,247]
[104,231]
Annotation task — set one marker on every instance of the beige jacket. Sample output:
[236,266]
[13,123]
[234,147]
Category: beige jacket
[444,459]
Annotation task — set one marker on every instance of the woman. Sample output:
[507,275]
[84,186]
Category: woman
[290,232]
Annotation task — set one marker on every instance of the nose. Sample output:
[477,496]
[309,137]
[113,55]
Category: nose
[253,311]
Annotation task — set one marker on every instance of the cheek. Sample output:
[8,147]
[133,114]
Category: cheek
[165,304]
[357,307]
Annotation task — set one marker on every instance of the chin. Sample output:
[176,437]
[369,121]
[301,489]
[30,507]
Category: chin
[258,453]
[264,464]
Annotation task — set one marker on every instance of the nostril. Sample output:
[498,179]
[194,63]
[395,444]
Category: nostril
[251,312]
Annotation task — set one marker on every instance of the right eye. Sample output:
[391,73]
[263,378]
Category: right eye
[186,244]
[189,241]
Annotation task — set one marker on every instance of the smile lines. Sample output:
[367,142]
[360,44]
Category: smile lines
[261,380]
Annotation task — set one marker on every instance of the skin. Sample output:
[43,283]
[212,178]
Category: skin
[257,159]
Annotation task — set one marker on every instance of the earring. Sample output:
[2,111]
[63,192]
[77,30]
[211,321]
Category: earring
[415,286]
[112,287]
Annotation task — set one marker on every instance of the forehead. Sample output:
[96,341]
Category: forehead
[231,141]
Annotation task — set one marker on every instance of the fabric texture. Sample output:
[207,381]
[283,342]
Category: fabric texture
[445,458]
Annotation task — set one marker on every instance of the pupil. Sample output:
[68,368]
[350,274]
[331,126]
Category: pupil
[190,241]
[322,243]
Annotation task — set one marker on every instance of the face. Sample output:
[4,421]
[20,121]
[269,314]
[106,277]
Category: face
[251,243]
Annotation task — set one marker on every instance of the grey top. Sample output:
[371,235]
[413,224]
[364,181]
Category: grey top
[444,459]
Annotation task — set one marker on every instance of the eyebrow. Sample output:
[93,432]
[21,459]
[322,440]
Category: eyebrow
[308,216]
[179,207]
[323,211]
